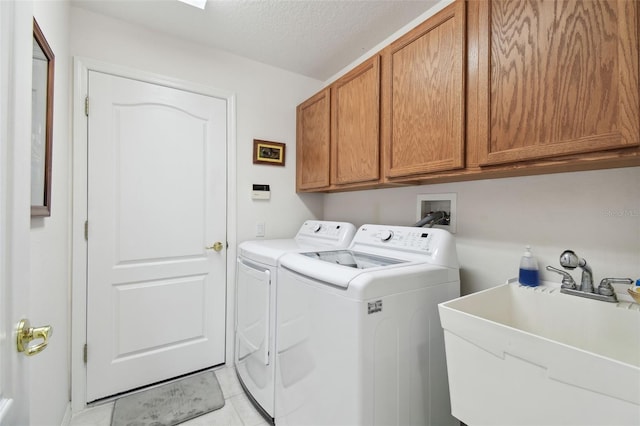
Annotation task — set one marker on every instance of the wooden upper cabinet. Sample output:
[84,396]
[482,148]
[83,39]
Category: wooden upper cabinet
[355,125]
[423,94]
[553,78]
[313,129]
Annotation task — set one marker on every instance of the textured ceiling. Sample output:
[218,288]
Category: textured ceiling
[316,38]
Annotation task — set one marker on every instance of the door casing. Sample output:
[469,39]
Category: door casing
[82,66]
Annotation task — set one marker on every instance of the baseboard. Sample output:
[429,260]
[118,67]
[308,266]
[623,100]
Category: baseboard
[66,420]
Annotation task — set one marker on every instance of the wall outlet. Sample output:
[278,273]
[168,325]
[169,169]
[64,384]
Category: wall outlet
[438,202]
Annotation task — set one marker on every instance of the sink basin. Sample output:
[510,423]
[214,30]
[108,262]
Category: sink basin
[533,356]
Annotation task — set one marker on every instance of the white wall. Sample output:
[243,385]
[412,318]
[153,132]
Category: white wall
[50,243]
[266,98]
[596,214]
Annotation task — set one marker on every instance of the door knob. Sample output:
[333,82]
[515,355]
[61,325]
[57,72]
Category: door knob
[26,333]
[217,246]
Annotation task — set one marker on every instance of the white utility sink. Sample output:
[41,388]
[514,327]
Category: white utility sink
[534,356]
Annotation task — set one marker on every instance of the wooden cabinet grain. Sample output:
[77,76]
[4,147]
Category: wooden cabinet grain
[553,78]
[338,132]
[355,125]
[482,89]
[313,130]
[423,93]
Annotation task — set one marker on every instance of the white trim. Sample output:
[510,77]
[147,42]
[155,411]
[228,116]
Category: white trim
[232,219]
[82,66]
[6,40]
[66,420]
[5,408]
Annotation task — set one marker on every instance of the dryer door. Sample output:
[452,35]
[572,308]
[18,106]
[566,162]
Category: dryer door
[252,332]
[255,321]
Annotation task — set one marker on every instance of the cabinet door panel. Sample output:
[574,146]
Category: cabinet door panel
[355,118]
[312,142]
[423,96]
[558,77]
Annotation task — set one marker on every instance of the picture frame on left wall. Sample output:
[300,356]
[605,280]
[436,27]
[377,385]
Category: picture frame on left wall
[43,65]
[267,152]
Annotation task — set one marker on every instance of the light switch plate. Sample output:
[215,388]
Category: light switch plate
[260,229]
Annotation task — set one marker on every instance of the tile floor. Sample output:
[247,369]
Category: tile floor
[237,410]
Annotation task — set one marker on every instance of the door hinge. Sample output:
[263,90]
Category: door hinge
[86,106]
[86,230]
[84,353]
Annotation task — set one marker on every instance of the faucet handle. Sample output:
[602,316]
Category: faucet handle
[605,287]
[567,279]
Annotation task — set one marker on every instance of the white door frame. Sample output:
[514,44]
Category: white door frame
[82,66]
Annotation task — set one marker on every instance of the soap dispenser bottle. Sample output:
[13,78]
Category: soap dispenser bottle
[528,269]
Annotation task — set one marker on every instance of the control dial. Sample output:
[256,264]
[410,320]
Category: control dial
[317,227]
[386,235]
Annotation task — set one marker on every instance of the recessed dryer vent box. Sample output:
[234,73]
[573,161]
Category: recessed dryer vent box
[438,202]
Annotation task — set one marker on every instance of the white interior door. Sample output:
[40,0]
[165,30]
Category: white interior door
[156,206]
[15,160]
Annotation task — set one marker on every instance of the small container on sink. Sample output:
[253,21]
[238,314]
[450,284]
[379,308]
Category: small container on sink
[634,291]
[528,274]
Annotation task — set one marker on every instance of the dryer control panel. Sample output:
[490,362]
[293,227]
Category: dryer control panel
[327,232]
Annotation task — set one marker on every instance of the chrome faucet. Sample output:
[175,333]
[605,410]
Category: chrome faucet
[570,260]
[605,291]
[567,279]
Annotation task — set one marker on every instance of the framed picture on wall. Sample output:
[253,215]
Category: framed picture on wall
[43,62]
[266,152]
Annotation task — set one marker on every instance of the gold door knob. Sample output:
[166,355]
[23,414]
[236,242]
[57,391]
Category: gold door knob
[217,246]
[26,334]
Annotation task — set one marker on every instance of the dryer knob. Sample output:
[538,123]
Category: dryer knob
[317,227]
[386,235]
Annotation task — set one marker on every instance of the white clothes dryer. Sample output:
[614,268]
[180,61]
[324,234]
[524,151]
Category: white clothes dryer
[359,340]
[256,286]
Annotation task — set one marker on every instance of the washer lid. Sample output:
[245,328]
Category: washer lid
[352,259]
[349,265]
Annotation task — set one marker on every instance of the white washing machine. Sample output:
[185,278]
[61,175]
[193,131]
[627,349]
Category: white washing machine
[256,284]
[359,340]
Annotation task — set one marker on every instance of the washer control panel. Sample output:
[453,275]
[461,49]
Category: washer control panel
[432,245]
[385,235]
[398,237]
